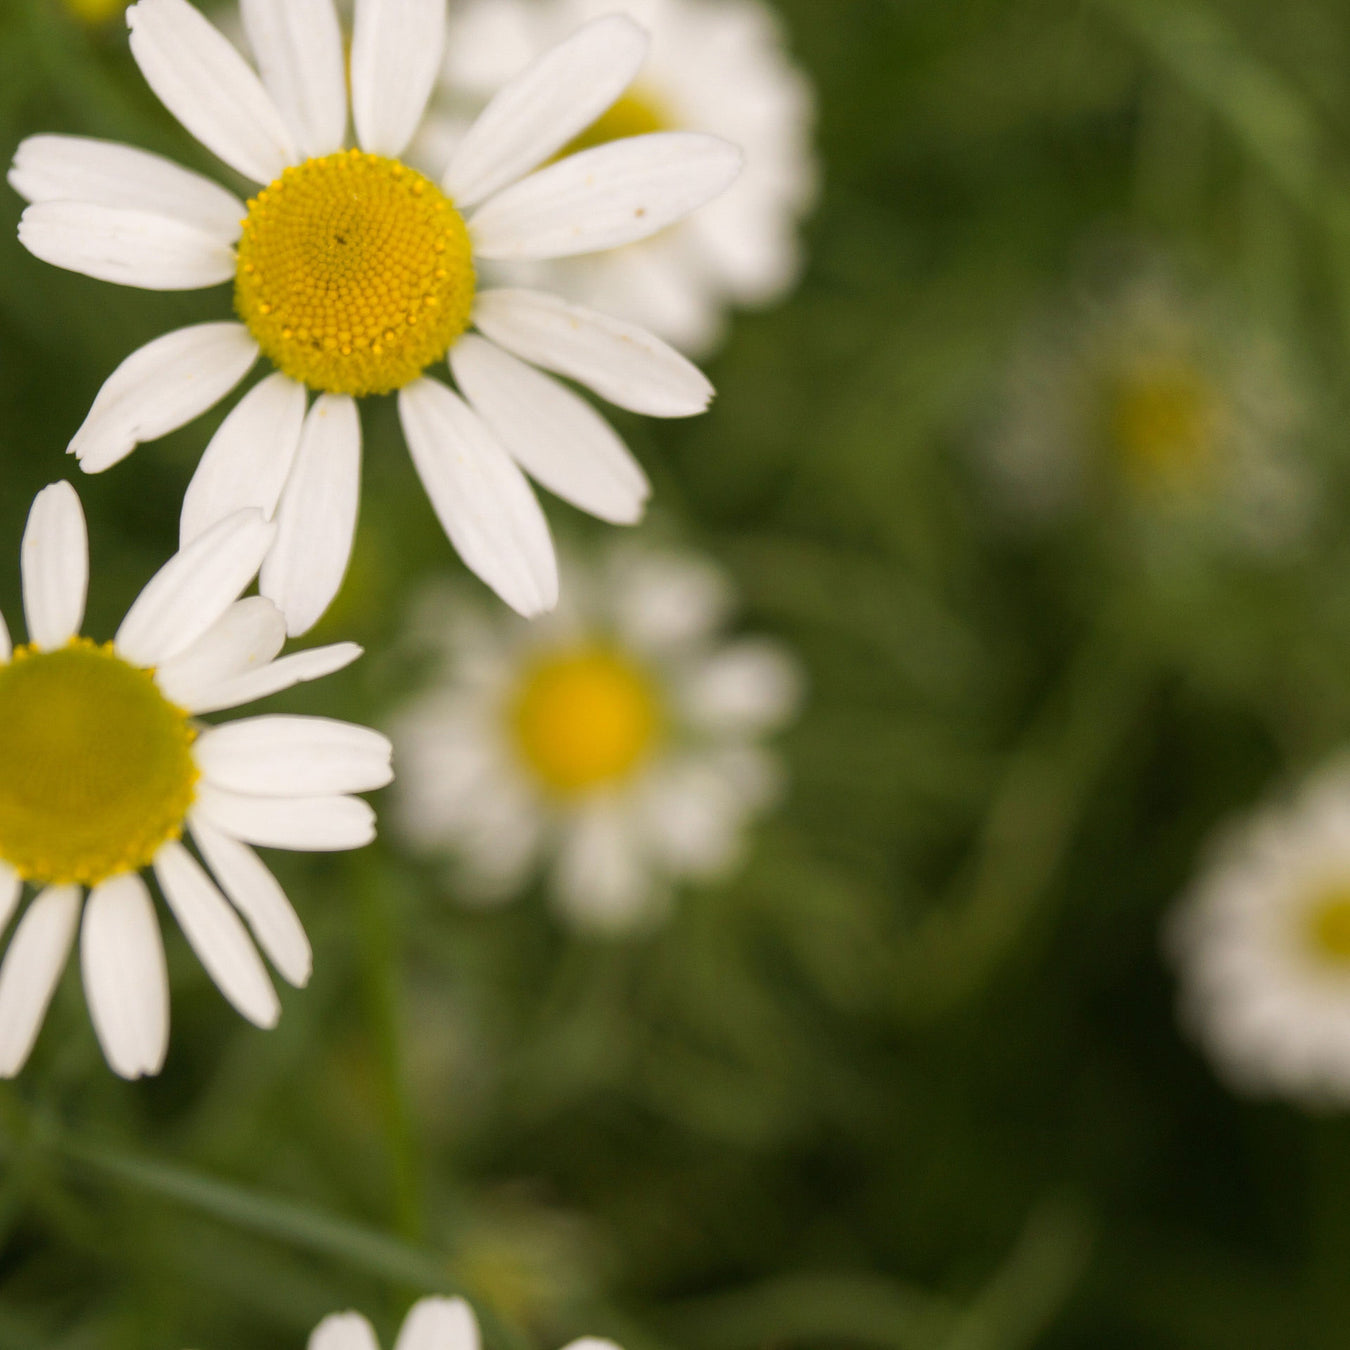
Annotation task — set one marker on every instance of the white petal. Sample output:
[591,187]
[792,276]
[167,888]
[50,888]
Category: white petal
[298,47]
[285,756]
[55,564]
[248,459]
[80,169]
[749,686]
[545,106]
[193,589]
[162,387]
[216,934]
[6,645]
[396,56]
[624,364]
[667,601]
[602,881]
[555,436]
[245,638]
[271,679]
[693,818]
[591,1343]
[316,521]
[11,887]
[480,497]
[343,1331]
[439,1324]
[259,898]
[125,981]
[305,824]
[604,198]
[125,246]
[209,87]
[33,964]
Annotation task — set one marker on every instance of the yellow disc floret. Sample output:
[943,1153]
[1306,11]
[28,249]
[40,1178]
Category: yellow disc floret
[1329,926]
[586,719]
[355,273]
[96,765]
[635,114]
[1164,421]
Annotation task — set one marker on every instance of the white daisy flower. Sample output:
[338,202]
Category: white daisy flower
[718,66]
[619,740]
[103,765]
[1263,947]
[355,275]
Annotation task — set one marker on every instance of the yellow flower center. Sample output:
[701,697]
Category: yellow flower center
[355,273]
[1163,423]
[96,765]
[635,114]
[96,11]
[1328,930]
[585,720]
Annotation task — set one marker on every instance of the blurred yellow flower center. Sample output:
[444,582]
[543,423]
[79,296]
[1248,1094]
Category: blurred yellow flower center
[635,114]
[1329,926]
[96,11]
[96,766]
[585,720]
[1163,422]
[355,273]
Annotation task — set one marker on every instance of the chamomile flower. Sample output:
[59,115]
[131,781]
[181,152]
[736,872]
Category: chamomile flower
[355,275]
[431,1324]
[103,765]
[1263,948]
[718,66]
[618,741]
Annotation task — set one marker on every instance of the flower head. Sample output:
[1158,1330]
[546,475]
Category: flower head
[431,1324]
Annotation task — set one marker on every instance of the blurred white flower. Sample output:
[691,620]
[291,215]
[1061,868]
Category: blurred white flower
[619,739]
[1263,948]
[718,66]
[431,1324]
[102,766]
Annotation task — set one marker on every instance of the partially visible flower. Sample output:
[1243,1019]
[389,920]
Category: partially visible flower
[96,11]
[431,1324]
[619,740]
[356,275]
[103,765]
[1262,944]
[718,66]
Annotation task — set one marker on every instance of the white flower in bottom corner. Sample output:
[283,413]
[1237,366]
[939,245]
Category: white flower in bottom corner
[618,739]
[103,765]
[431,1324]
[1263,948]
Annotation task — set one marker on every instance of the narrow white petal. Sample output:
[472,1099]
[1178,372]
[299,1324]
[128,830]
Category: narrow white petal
[298,47]
[125,981]
[284,756]
[439,1324]
[624,364]
[259,898]
[248,459]
[207,85]
[245,638]
[11,887]
[602,881]
[193,589]
[162,387]
[305,824]
[480,497]
[252,685]
[343,1331]
[554,435]
[6,645]
[217,935]
[316,520]
[604,198]
[32,966]
[79,169]
[752,685]
[396,56]
[667,602]
[544,107]
[125,246]
[54,559]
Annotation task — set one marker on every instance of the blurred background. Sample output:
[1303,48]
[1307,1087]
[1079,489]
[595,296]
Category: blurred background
[1041,471]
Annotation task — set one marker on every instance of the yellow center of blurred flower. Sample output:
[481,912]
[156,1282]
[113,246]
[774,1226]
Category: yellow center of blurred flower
[1163,422]
[1329,926]
[96,11]
[96,765]
[585,720]
[355,273]
[634,114]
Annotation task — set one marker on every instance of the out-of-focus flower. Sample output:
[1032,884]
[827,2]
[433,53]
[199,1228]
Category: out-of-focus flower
[620,738]
[718,66]
[96,11]
[102,765]
[356,275]
[431,1324]
[1263,947]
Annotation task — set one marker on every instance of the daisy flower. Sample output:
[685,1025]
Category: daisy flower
[355,275]
[103,765]
[618,740]
[1263,948]
[719,66]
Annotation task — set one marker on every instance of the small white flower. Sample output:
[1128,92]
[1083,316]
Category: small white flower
[103,766]
[356,275]
[431,1324]
[619,739]
[1263,946]
[718,66]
